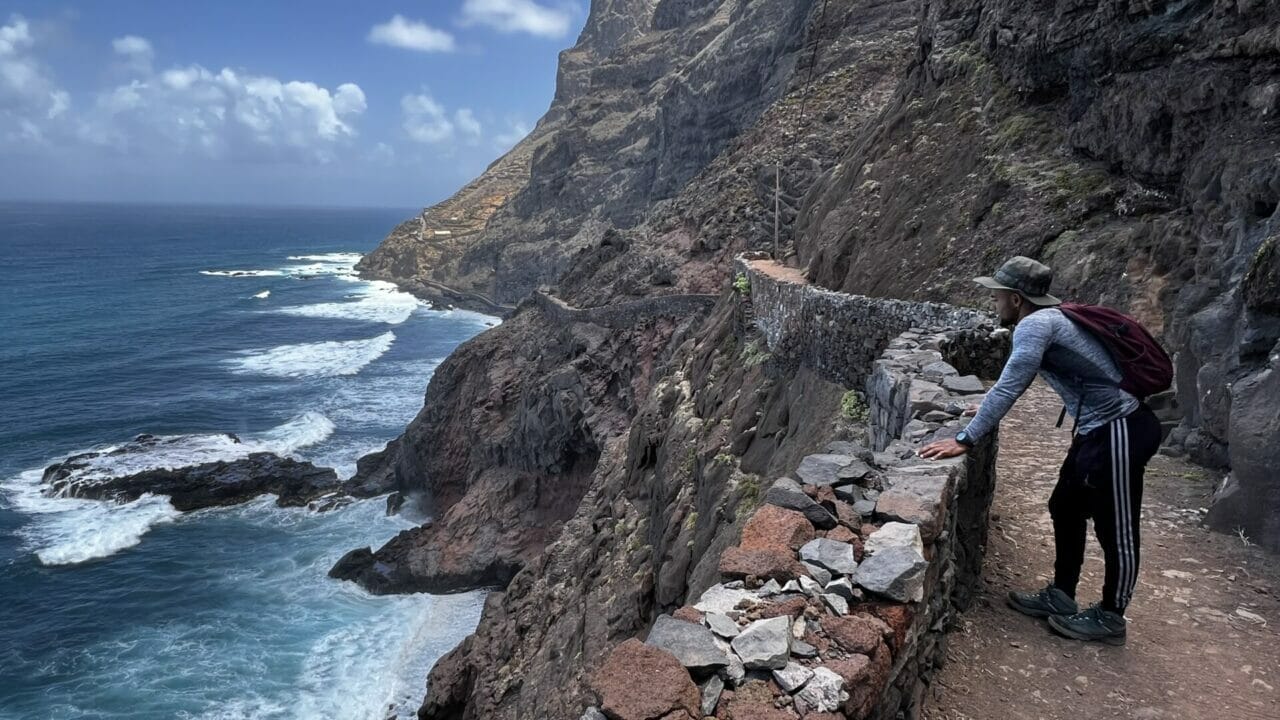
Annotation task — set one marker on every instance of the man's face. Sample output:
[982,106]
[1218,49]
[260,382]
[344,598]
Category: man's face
[1007,306]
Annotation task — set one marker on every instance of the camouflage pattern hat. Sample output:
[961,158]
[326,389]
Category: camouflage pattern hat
[1026,277]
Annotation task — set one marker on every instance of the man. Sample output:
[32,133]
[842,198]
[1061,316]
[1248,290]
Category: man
[1115,437]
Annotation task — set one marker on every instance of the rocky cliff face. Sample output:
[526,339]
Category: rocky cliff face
[1132,146]
[602,469]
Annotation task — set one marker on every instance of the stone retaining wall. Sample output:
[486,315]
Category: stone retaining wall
[836,600]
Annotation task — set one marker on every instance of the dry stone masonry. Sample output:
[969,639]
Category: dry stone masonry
[835,601]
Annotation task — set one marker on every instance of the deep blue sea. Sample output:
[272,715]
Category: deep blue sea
[198,321]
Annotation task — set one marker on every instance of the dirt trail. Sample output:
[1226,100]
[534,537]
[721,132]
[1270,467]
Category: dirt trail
[1204,625]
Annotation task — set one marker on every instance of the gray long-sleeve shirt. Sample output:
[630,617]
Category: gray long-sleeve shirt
[1073,362]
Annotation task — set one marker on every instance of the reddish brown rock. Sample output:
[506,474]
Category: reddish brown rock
[864,694]
[866,529]
[688,614]
[855,669]
[775,527]
[790,608]
[855,633]
[841,534]
[897,617]
[738,563]
[846,515]
[826,497]
[754,701]
[667,691]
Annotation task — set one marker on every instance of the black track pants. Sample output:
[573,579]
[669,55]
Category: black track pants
[1102,479]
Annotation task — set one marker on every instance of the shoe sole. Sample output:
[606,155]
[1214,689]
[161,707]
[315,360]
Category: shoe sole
[1028,610]
[1115,640]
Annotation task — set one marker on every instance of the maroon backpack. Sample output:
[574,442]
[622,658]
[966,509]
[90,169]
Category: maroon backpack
[1145,365]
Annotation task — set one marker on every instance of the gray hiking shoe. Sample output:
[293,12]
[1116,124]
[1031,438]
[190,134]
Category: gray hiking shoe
[1043,603]
[1092,624]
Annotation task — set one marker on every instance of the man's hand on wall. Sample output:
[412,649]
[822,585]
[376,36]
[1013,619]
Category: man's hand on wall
[942,450]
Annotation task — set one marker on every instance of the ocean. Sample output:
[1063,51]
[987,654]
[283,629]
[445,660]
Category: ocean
[194,322]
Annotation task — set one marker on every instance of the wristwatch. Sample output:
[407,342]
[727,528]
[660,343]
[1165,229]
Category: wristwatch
[963,438]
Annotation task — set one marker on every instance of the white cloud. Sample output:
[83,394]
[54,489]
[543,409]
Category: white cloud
[425,120]
[136,51]
[511,16]
[29,95]
[227,113]
[411,35]
[467,122]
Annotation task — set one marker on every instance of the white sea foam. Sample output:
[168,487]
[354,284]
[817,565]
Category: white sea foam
[244,273]
[375,301]
[321,359]
[66,530]
[263,295]
[346,258]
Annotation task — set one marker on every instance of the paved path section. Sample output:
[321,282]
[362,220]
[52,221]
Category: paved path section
[1204,633]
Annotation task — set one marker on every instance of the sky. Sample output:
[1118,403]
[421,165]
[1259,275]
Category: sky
[324,102]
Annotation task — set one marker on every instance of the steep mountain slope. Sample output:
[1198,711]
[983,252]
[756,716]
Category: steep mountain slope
[600,466]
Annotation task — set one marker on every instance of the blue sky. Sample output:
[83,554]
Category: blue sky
[325,102]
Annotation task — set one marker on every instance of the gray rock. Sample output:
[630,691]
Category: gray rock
[711,691]
[791,587]
[937,416]
[802,649]
[722,625]
[810,586]
[938,370]
[787,493]
[844,447]
[817,572]
[865,508]
[838,604]
[770,588]
[792,677]
[764,644]
[850,493]
[723,600]
[735,672]
[895,572]
[824,692]
[830,554]
[967,384]
[829,469]
[593,714]
[894,534]
[842,587]
[693,645]
[925,396]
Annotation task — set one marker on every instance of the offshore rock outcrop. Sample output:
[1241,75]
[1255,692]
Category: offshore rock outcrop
[212,484]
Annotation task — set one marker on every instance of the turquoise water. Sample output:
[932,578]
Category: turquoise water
[194,322]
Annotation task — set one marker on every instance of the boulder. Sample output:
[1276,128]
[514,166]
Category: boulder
[906,506]
[824,692]
[781,565]
[820,574]
[842,587]
[787,493]
[830,554]
[774,526]
[894,572]
[964,384]
[764,644]
[722,625]
[838,604]
[667,687]
[693,645]
[721,599]
[825,469]
[792,677]
[894,534]
[711,691]
[856,633]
